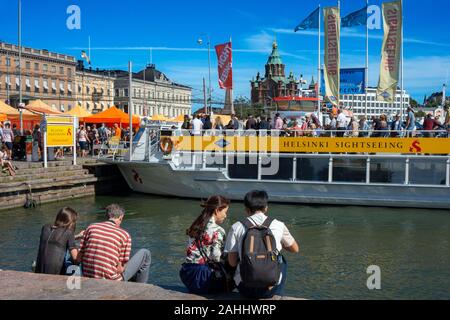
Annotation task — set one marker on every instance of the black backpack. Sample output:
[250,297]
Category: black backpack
[259,263]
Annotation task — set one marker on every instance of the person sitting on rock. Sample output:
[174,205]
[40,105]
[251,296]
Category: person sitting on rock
[205,269]
[57,247]
[106,248]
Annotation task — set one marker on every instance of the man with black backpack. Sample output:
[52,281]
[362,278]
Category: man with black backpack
[254,245]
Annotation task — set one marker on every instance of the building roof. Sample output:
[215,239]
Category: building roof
[274,57]
[151,75]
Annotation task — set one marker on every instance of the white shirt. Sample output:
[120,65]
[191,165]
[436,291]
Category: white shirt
[342,121]
[197,126]
[235,237]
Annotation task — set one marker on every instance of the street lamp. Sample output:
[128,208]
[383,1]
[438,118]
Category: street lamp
[200,42]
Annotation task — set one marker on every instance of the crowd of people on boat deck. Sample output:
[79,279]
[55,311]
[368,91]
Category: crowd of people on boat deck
[335,124]
[249,258]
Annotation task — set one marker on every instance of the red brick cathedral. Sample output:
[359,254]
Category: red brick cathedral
[275,83]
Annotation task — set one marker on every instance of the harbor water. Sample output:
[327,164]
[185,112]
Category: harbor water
[337,244]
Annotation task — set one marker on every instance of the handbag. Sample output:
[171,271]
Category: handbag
[204,278]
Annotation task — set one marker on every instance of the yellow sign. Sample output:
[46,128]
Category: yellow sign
[59,135]
[58,119]
[314,145]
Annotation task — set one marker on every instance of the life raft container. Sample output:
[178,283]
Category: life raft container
[166,145]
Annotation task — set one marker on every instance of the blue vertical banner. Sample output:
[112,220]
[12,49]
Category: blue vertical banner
[353,81]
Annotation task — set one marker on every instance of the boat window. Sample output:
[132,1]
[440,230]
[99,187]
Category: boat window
[215,160]
[349,170]
[310,169]
[387,171]
[243,167]
[429,171]
[276,168]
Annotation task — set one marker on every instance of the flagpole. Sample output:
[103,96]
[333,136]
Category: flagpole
[231,92]
[130,106]
[318,66]
[89,49]
[402,71]
[367,59]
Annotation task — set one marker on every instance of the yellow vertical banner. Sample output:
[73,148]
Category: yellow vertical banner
[391,51]
[332,20]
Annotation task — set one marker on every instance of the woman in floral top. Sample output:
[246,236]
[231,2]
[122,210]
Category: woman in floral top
[202,273]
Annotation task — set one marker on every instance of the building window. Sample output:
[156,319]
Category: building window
[61,70]
[53,86]
[126,92]
[45,86]
[117,92]
[36,67]
[28,65]
[8,62]
[53,69]
[69,72]
[45,67]
[88,90]
[27,85]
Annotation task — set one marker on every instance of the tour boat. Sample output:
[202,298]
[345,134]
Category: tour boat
[382,172]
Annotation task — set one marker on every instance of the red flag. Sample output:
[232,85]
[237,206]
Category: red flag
[225,61]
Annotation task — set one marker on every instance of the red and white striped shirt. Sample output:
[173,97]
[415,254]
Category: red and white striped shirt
[103,247]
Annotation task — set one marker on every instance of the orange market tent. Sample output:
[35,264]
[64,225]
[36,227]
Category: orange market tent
[158,117]
[3,117]
[225,119]
[29,119]
[111,116]
[79,112]
[13,113]
[180,118]
[41,107]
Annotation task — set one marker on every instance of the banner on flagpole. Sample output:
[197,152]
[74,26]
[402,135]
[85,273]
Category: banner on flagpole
[225,62]
[357,18]
[391,51]
[332,54]
[311,22]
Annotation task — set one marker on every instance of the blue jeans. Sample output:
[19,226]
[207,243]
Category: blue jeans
[71,269]
[264,293]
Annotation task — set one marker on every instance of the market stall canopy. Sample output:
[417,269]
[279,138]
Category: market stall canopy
[3,117]
[225,119]
[158,117]
[180,118]
[41,107]
[79,112]
[111,116]
[13,113]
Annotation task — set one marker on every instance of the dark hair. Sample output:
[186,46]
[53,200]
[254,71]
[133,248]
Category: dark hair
[209,207]
[256,201]
[66,218]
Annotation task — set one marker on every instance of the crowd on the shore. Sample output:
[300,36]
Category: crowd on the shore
[248,258]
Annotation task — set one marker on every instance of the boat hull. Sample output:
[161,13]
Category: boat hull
[161,179]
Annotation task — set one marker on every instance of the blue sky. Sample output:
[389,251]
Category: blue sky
[125,30]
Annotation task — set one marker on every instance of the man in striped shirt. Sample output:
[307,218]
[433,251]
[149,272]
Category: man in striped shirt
[105,251]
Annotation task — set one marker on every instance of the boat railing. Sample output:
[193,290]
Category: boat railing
[292,132]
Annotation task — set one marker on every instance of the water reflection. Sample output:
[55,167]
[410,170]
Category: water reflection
[337,244]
